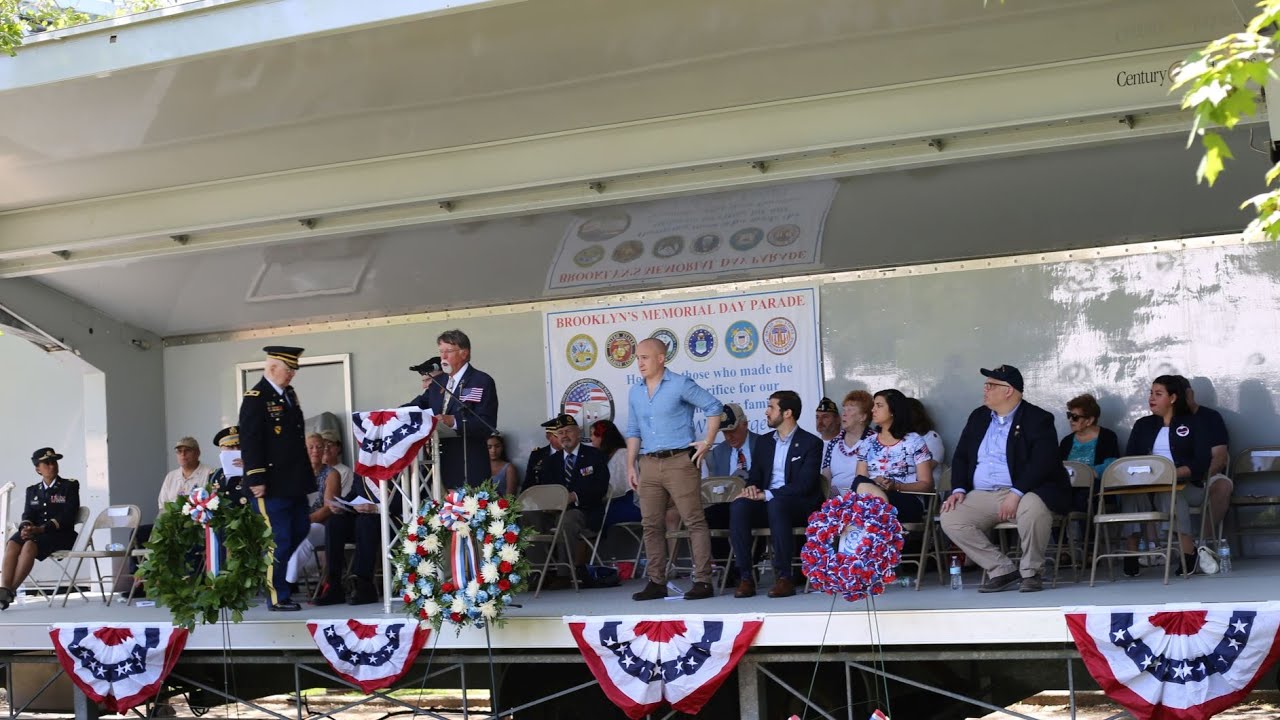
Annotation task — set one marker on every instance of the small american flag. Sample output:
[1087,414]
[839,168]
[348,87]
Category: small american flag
[878,715]
[471,394]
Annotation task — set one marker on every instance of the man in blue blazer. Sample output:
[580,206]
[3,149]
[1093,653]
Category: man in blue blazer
[782,490]
[463,459]
[1006,468]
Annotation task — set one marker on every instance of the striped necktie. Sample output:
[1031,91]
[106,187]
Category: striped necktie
[569,462]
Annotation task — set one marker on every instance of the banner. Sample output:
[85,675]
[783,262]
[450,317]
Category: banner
[1168,664]
[388,440]
[119,666]
[642,662]
[769,227]
[371,655]
[740,348]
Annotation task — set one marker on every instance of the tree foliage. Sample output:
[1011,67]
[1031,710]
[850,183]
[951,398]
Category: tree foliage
[20,18]
[1222,85]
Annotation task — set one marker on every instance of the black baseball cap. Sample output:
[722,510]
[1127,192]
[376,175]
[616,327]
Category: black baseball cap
[825,405]
[427,366]
[1006,374]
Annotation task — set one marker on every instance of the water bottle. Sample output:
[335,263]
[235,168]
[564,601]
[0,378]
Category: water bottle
[957,582]
[1224,558]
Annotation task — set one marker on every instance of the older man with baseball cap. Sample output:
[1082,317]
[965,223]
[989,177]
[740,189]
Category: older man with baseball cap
[189,475]
[1006,469]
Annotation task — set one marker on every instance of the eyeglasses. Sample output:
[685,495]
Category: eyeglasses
[994,385]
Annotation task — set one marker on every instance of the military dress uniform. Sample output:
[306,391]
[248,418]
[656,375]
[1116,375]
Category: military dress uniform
[54,508]
[274,451]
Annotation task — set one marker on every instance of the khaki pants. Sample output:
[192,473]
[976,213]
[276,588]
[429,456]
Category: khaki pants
[678,479]
[969,525]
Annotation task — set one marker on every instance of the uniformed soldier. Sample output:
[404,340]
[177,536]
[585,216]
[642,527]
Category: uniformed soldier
[48,523]
[233,488]
[541,453]
[276,468]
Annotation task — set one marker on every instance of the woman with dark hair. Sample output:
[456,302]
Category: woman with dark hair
[501,471]
[922,425]
[840,456]
[1170,431]
[895,460]
[624,508]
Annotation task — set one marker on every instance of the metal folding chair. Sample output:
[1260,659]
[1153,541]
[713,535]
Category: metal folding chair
[1136,475]
[550,499]
[115,517]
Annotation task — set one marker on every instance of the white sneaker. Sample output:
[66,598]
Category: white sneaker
[1208,562]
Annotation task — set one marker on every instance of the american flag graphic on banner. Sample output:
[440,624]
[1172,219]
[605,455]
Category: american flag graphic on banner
[387,441]
[1168,663]
[642,662]
[371,654]
[119,666]
[587,403]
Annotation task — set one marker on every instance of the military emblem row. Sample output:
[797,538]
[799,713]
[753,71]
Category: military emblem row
[741,340]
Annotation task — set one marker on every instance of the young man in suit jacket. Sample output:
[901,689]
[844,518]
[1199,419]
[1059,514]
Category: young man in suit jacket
[1006,468]
[782,490]
[463,459]
[584,471]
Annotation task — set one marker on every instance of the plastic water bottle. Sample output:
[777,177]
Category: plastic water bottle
[1144,561]
[1224,558]
[957,582]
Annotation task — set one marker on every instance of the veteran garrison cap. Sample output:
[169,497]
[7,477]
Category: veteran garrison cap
[560,421]
[44,455]
[428,366]
[285,354]
[227,436]
[826,405]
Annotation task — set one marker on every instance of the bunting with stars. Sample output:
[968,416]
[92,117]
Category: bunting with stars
[371,655]
[642,662]
[119,666]
[387,441]
[1171,663]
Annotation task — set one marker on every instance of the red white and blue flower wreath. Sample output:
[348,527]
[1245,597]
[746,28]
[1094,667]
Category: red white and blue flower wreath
[852,546]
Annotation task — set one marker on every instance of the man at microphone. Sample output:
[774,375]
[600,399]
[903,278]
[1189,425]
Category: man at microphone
[466,400]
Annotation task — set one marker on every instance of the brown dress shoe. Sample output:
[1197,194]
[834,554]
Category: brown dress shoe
[746,589]
[783,587]
[651,591]
[699,591]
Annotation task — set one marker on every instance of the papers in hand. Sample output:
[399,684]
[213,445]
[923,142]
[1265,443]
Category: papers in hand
[228,459]
[353,504]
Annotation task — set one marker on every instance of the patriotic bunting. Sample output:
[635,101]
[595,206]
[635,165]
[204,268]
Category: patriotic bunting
[119,666]
[1162,663]
[371,655]
[642,662]
[387,441]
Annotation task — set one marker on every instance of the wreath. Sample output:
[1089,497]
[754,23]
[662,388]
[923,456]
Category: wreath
[852,546]
[473,535]
[206,556]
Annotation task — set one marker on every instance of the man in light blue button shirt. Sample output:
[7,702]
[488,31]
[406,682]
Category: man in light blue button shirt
[660,435]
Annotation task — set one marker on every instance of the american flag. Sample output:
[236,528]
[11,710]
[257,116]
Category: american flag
[471,394]
[584,396]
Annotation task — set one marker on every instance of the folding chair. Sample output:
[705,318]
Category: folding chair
[82,537]
[1082,478]
[1136,475]
[551,499]
[928,530]
[115,517]
[714,490]
[141,554]
[1260,465]
[934,521]
[634,529]
[800,532]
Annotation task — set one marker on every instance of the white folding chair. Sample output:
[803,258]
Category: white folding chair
[550,499]
[40,587]
[115,517]
[1136,475]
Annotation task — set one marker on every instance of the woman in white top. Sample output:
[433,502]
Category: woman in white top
[922,425]
[895,460]
[623,508]
[839,458]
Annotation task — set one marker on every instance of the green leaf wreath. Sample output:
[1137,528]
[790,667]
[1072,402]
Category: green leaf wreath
[174,571]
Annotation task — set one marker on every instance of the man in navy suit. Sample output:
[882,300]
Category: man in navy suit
[1006,469]
[463,459]
[782,491]
[584,471]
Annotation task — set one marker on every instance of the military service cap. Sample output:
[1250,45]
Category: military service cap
[285,354]
[227,436]
[44,455]
[826,405]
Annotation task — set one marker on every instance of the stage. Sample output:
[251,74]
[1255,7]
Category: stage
[902,617]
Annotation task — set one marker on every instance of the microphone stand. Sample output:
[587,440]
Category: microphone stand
[444,407]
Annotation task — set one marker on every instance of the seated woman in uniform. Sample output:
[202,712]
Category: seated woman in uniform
[48,523]
[839,457]
[895,460]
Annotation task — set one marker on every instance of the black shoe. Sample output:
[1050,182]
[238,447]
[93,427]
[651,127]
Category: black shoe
[331,598]
[1190,561]
[651,591]
[699,591]
[1131,567]
[996,583]
[287,606]
[6,597]
[364,593]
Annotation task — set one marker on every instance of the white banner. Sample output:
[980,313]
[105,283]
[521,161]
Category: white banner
[740,348]
[769,227]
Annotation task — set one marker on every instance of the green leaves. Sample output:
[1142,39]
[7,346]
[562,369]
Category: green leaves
[45,15]
[1215,152]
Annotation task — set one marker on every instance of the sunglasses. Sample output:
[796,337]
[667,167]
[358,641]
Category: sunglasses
[1074,417]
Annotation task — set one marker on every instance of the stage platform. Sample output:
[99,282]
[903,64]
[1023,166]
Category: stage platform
[935,615]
